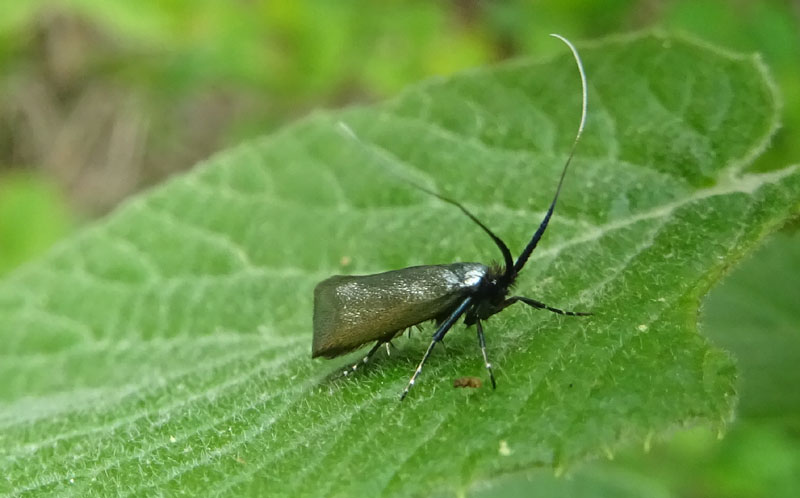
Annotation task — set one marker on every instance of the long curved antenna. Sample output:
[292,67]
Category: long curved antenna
[507,258]
[523,257]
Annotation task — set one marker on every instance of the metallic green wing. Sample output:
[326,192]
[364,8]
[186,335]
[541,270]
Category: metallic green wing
[350,311]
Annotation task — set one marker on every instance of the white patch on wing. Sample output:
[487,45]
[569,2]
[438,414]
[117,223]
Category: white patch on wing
[465,275]
[473,276]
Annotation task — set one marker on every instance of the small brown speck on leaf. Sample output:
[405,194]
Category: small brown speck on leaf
[472,382]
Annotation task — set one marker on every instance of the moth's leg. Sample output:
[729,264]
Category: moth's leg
[365,359]
[437,336]
[539,305]
[482,342]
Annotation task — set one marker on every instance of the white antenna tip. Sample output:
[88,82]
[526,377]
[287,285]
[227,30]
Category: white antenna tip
[584,85]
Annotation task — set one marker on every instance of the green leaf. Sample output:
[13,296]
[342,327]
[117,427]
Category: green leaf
[754,314]
[593,482]
[166,349]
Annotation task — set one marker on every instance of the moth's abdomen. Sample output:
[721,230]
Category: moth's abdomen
[350,311]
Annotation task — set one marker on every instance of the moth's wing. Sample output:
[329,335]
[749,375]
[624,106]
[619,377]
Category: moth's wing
[350,311]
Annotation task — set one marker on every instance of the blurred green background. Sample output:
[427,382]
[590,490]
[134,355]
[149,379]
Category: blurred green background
[100,99]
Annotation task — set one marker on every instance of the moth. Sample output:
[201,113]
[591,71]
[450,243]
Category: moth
[352,310]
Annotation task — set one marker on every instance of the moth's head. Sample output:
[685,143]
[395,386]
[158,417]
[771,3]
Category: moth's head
[492,292]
